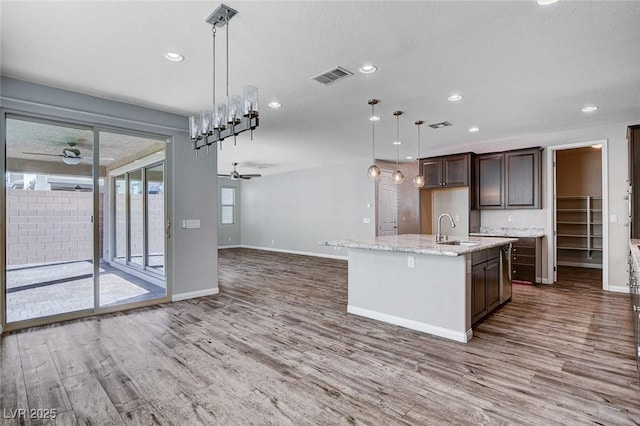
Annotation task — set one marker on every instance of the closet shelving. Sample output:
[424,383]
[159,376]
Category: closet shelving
[579,230]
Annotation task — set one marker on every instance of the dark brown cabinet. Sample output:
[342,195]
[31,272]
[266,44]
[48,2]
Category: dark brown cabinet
[524,265]
[508,180]
[446,172]
[489,191]
[485,283]
[633,136]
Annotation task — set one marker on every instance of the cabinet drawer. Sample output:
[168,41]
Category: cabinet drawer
[478,257]
[525,242]
[519,259]
[523,273]
[525,251]
[492,253]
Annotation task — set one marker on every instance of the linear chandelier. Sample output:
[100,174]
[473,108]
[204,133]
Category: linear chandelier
[238,114]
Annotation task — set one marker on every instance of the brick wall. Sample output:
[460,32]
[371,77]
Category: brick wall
[49,226]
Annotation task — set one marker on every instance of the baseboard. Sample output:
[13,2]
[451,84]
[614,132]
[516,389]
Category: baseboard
[193,294]
[619,288]
[458,336]
[302,253]
[230,247]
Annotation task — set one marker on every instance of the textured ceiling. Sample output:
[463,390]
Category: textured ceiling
[524,70]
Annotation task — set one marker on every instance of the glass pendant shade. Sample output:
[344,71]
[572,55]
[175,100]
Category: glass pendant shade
[249,101]
[220,121]
[194,127]
[206,124]
[398,177]
[373,172]
[235,109]
[418,181]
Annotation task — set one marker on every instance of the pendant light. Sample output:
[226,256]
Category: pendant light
[398,176]
[374,171]
[238,114]
[418,181]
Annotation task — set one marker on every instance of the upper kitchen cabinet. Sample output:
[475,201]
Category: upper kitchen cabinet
[450,171]
[508,180]
[633,136]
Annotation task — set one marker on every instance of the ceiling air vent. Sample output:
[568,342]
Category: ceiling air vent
[331,76]
[440,125]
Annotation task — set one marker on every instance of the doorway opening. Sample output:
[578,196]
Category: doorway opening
[579,205]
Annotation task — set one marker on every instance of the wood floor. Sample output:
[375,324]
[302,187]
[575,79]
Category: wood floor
[277,347]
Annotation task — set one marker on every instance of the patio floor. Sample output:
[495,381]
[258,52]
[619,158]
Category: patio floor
[43,290]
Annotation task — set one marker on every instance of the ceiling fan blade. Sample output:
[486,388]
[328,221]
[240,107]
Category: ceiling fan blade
[244,177]
[252,175]
[224,175]
[42,153]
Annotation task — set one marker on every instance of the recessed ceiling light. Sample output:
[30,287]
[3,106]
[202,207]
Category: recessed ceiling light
[274,104]
[368,69]
[397,143]
[374,118]
[474,129]
[173,57]
[455,97]
[596,146]
[589,108]
[546,2]
[408,157]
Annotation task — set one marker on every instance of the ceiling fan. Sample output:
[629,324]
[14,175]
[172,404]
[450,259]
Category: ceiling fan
[234,175]
[70,156]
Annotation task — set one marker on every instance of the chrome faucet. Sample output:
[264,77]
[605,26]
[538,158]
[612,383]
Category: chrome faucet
[439,236]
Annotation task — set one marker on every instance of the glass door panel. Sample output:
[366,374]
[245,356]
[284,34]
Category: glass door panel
[155,218]
[132,267]
[120,222]
[49,211]
[136,218]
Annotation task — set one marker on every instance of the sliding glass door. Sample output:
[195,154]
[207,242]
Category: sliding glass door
[84,214]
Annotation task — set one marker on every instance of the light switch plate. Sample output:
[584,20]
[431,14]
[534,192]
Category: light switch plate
[191,224]
[613,218]
[366,220]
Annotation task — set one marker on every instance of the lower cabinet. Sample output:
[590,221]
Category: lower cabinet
[485,283]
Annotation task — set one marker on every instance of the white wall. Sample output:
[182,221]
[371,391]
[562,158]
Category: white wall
[230,234]
[294,211]
[454,201]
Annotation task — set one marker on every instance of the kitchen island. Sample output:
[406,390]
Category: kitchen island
[412,281]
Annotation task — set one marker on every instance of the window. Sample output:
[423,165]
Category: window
[227,205]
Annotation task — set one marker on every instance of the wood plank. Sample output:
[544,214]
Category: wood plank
[90,402]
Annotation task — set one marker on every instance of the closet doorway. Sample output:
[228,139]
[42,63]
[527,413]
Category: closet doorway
[579,210]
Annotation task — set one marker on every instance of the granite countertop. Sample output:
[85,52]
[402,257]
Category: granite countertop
[422,244]
[510,232]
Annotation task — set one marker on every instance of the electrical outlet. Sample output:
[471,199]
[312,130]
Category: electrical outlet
[229,239]
[273,241]
[510,218]
[366,220]
[457,218]
[411,261]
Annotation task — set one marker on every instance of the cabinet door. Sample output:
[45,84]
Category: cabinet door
[478,293]
[432,172]
[489,181]
[492,276]
[455,170]
[522,169]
